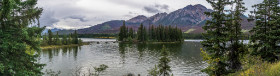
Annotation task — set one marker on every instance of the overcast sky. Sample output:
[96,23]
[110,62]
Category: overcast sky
[76,14]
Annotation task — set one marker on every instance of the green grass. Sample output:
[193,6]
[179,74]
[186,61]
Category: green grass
[261,69]
[60,46]
[244,31]
[190,30]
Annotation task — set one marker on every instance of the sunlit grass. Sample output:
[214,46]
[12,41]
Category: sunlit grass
[60,46]
[244,31]
[190,30]
[262,69]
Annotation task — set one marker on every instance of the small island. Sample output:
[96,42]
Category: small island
[158,34]
[51,41]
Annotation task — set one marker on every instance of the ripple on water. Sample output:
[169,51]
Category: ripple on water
[124,58]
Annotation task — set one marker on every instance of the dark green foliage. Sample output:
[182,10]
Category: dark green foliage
[50,37]
[164,68]
[131,33]
[75,38]
[19,40]
[123,32]
[100,69]
[98,35]
[192,36]
[216,38]
[234,35]
[141,33]
[66,39]
[45,41]
[57,41]
[266,34]
[159,34]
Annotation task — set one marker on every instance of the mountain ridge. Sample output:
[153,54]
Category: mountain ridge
[191,17]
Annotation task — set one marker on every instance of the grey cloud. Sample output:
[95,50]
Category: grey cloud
[156,8]
[81,18]
[151,9]
[164,6]
[47,18]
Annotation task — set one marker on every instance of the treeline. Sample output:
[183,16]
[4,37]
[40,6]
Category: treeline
[200,36]
[50,39]
[153,33]
[192,36]
[98,35]
[223,50]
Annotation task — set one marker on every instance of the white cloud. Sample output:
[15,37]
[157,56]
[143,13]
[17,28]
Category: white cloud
[75,14]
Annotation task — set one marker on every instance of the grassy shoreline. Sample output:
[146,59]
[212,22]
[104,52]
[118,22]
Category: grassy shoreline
[150,42]
[60,46]
[260,69]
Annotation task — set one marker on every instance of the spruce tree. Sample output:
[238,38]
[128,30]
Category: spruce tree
[215,39]
[57,40]
[153,35]
[69,39]
[140,36]
[164,68]
[266,32]
[50,37]
[64,40]
[234,34]
[145,35]
[18,39]
[75,38]
[122,33]
[131,33]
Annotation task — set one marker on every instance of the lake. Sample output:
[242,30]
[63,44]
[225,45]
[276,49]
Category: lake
[123,58]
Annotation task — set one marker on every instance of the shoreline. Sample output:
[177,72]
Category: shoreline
[60,46]
[150,42]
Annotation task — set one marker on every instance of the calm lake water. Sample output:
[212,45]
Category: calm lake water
[123,58]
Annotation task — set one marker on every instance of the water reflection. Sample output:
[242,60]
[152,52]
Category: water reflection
[65,51]
[124,58]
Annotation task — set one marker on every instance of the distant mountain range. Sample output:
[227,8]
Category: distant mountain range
[190,19]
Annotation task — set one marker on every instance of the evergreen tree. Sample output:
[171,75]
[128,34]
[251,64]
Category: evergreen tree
[152,34]
[215,39]
[57,40]
[266,32]
[19,40]
[167,34]
[145,35]
[126,33]
[69,39]
[122,33]
[64,40]
[45,41]
[75,38]
[140,33]
[131,33]
[50,37]
[234,34]
[164,68]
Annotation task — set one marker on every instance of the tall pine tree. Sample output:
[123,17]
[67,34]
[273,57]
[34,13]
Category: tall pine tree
[215,39]
[50,37]
[122,33]
[266,32]
[234,34]
[140,33]
[18,39]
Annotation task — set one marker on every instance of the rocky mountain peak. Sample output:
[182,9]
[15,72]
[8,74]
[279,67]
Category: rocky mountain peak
[157,17]
[189,17]
[194,7]
[137,19]
[199,6]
